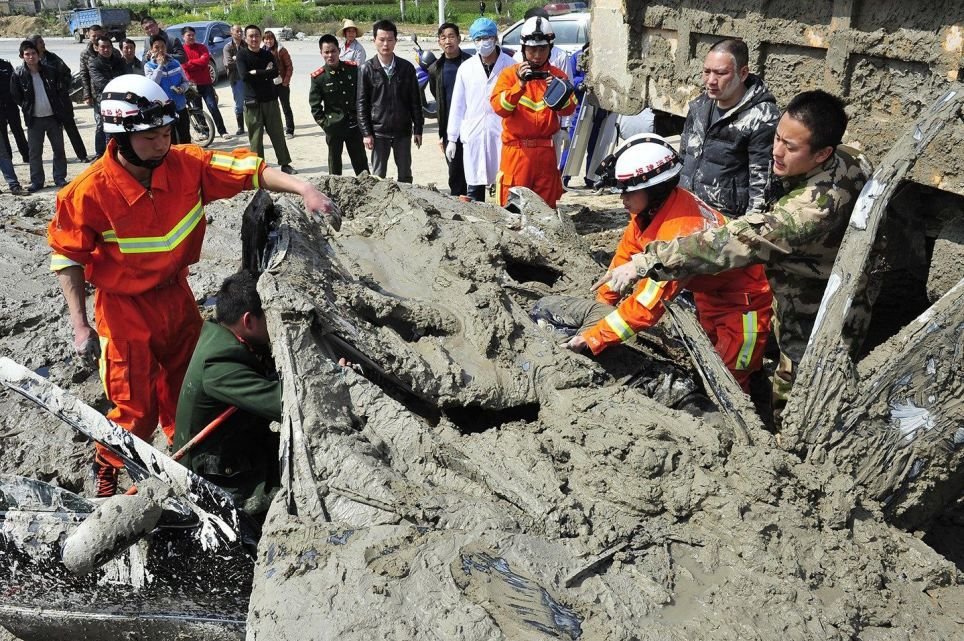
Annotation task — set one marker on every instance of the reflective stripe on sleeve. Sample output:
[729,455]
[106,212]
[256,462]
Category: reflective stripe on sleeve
[650,294]
[227,162]
[749,341]
[158,244]
[505,103]
[619,326]
[59,261]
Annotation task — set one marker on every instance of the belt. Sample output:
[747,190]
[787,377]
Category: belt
[529,142]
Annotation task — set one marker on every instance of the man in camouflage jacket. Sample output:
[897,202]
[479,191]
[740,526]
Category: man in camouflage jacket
[728,136]
[796,236]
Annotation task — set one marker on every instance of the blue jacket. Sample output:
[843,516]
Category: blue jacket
[169,77]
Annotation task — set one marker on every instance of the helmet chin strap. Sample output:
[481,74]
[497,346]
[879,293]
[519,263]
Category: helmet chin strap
[127,152]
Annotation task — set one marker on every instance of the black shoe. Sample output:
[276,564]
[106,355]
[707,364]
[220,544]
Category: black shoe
[239,132]
[288,169]
[83,159]
[61,183]
[33,188]
[17,190]
[105,480]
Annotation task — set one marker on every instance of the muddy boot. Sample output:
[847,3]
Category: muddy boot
[240,119]
[105,479]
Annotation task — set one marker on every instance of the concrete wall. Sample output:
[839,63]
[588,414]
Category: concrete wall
[888,59]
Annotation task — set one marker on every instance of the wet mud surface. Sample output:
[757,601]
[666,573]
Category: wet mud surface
[478,481]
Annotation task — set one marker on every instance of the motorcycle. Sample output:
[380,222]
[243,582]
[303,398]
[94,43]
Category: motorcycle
[423,60]
[202,124]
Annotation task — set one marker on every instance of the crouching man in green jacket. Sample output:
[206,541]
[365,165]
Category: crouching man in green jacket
[232,367]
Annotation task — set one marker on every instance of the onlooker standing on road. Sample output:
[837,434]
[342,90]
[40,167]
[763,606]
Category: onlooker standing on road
[35,89]
[10,115]
[129,52]
[169,75]
[104,67]
[61,73]
[353,51]
[230,55]
[442,75]
[90,98]
[256,67]
[198,71]
[282,62]
[471,120]
[389,105]
[152,29]
[332,100]
[727,141]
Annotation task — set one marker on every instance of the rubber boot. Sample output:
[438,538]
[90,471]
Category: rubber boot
[240,119]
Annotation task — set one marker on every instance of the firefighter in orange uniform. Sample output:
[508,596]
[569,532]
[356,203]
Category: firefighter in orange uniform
[131,225]
[734,307]
[530,96]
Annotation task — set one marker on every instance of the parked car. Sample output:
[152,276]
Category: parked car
[572,32]
[212,33]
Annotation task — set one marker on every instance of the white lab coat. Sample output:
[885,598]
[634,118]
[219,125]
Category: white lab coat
[473,122]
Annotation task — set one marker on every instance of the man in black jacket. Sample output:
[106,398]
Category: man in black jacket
[61,72]
[10,114]
[262,114]
[442,73]
[35,90]
[389,107]
[104,67]
[727,140]
[174,47]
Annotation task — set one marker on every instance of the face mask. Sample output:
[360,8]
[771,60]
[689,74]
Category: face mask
[486,47]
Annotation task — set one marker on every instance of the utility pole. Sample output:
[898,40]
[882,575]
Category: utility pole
[441,12]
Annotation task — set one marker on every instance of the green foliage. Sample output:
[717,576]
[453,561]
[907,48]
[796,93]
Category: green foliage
[294,13]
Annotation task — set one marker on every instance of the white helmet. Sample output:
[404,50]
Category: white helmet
[644,161]
[536,31]
[134,103]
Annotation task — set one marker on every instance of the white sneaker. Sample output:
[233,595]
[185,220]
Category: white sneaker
[227,136]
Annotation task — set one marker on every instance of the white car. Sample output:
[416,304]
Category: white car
[572,32]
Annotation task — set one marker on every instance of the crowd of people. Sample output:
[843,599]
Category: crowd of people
[747,216]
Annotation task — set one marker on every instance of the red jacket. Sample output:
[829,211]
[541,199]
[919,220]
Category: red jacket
[129,239]
[196,65]
[682,214]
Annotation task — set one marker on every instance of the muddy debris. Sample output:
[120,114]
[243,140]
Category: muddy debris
[479,481]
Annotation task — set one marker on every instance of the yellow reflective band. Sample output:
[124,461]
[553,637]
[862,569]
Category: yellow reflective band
[749,341]
[157,244]
[650,295]
[619,326]
[534,106]
[246,165]
[59,261]
[505,103]
[102,365]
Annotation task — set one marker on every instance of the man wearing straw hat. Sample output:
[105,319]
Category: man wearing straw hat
[352,50]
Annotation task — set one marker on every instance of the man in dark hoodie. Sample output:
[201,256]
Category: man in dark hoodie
[727,140]
[442,73]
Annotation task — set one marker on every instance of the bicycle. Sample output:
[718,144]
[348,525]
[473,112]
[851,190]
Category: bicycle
[202,124]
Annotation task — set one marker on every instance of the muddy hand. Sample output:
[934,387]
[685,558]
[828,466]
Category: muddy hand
[87,345]
[576,344]
[623,278]
[322,208]
[602,281]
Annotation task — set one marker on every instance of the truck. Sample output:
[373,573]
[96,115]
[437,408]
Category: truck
[114,22]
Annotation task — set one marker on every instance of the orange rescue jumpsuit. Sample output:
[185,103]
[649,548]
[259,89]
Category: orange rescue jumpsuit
[734,307]
[528,156]
[135,246]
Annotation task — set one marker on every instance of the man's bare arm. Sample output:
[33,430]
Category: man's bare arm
[86,341]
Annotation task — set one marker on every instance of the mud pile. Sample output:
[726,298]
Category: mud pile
[481,482]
